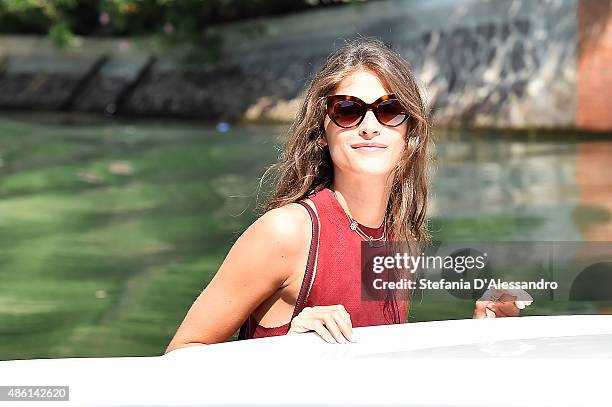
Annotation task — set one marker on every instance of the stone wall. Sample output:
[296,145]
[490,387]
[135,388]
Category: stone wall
[495,63]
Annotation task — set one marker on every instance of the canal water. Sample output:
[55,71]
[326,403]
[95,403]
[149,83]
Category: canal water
[110,229]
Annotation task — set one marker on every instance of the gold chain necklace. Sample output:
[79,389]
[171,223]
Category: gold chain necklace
[354,225]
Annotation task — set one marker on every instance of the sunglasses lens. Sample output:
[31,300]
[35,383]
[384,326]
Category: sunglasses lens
[391,113]
[346,113]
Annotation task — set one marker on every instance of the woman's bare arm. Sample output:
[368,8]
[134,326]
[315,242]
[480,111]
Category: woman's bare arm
[258,264]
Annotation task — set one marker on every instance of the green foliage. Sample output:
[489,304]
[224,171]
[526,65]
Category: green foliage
[61,35]
[179,20]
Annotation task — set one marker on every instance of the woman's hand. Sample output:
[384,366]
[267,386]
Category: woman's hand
[501,303]
[331,322]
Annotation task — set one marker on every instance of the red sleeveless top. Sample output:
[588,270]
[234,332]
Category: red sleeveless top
[337,278]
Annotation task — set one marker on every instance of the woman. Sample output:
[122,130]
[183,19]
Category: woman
[354,169]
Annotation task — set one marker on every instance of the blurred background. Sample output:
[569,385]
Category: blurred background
[133,134]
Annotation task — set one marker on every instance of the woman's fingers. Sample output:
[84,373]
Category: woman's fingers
[506,309]
[343,319]
[340,325]
[332,327]
[346,327]
[522,304]
[505,306]
[319,328]
[480,309]
[331,322]
[490,311]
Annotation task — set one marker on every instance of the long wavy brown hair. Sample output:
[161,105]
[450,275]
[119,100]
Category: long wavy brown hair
[304,167]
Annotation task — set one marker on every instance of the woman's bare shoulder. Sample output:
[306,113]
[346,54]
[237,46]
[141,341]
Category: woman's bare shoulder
[287,227]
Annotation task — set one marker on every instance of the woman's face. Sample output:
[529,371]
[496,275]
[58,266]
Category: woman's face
[348,146]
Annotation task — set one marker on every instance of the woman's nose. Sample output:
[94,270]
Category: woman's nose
[369,126]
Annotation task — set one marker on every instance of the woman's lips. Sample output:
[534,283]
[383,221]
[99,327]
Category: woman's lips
[368,146]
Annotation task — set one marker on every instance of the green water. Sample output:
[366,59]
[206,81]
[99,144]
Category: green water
[109,230]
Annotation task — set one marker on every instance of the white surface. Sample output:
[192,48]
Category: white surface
[525,361]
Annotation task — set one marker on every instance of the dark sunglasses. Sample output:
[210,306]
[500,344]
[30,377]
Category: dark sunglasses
[348,111]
